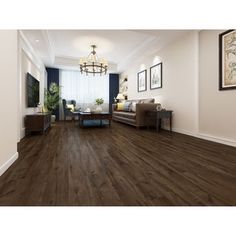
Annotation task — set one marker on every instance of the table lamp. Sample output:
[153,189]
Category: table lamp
[120,96]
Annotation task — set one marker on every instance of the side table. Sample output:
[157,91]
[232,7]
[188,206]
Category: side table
[155,117]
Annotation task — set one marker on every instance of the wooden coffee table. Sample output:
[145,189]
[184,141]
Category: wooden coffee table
[94,116]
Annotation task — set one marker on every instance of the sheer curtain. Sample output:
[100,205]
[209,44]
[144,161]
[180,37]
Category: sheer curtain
[84,89]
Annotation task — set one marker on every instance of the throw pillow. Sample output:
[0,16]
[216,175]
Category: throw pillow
[127,106]
[120,106]
[133,106]
[71,107]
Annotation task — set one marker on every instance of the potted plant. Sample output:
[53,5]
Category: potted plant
[52,98]
[99,102]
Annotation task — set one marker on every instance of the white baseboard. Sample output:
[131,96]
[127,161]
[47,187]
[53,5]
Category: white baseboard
[8,163]
[182,131]
[225,141]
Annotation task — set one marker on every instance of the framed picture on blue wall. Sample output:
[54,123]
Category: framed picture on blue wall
[156,76]
[142,81]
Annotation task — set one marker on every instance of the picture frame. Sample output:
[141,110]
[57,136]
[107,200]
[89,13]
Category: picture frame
[142,81]
[156,76]
[227,60]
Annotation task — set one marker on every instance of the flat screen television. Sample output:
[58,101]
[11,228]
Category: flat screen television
[32,90]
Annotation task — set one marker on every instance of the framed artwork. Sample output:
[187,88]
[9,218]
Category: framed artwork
[156,76]
[227,60]
[142,81]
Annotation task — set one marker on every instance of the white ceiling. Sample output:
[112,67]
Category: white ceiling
[63,48]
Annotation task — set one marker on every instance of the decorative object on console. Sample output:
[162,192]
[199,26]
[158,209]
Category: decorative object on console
[142,81]
[44,109]
[156,76]
[52,99]
[92,64]
[227,60]
[99,102]
[39,107]
[87,110]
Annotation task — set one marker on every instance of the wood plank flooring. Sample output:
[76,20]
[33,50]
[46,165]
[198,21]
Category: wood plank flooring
[119,166]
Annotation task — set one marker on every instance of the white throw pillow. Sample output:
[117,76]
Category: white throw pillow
[133,106]
[71,107]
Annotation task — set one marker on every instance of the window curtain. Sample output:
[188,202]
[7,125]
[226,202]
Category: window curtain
[84,89]
[113,89]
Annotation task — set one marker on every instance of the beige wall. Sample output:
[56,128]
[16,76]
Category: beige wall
[180,81]
[8,98]
[217,110]
[28,62]
[190,87]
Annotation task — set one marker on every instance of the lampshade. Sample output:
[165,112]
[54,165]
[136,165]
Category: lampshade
[120,96]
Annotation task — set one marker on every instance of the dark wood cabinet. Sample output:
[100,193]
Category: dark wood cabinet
[38,122]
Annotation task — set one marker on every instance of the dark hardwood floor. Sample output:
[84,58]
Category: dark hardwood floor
[119,166]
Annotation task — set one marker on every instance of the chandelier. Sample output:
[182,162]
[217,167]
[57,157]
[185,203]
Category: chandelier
[92,64]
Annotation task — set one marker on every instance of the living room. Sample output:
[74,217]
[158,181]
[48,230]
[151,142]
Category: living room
[118,117]
[194,111]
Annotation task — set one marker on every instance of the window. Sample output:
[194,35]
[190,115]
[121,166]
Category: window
[84,89]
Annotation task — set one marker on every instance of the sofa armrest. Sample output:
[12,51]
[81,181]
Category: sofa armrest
[141,109]
[114,106]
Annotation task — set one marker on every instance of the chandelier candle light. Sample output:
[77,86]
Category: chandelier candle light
[92,64]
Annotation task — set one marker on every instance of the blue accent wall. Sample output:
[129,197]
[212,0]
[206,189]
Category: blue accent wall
[113,88]
[53,77]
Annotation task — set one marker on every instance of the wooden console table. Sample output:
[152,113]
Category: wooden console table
[155,117]
[37,122]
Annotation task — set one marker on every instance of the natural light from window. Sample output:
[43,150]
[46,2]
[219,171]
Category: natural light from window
[84,89]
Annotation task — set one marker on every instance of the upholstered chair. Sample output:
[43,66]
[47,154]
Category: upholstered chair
[68,111]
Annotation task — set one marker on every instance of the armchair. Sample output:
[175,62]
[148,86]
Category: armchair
[68,110]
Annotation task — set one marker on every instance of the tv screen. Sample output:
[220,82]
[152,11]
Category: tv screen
[32,91]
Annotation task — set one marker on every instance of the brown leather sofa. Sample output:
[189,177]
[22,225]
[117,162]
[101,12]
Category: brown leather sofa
[136,118]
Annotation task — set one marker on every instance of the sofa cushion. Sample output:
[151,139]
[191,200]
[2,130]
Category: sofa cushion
[120,106]
[125,114]
[71,107]
[127,106]
[133,106]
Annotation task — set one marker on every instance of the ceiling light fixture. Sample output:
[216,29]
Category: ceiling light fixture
[92,64]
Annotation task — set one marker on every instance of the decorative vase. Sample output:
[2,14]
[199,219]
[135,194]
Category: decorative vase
[53,118]
[99,108]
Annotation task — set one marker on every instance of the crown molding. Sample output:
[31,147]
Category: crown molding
[50,46]
[149,47]
[138,51]
[25,45]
